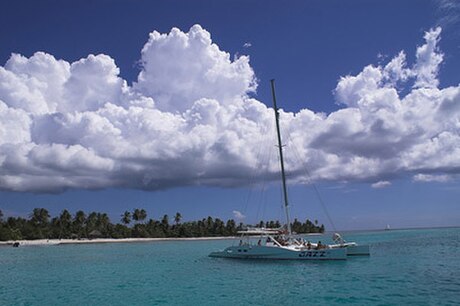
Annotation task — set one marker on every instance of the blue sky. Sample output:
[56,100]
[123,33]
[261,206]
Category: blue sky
[307,46]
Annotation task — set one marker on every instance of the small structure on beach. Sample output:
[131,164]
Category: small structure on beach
[94,234]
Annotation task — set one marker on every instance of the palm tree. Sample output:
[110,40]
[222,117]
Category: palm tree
[230,227]
[39,221]
[139,215]
[126,218]
[165,223]
[78,222]
[80,217]
[321,228]
[209,224]
[136,214]
[103,222]
[142,215]
[177,218]
[65,220]
[65,217]
[90,223]
[40,216]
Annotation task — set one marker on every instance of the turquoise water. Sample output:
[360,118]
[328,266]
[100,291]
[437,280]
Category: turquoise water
[407,267]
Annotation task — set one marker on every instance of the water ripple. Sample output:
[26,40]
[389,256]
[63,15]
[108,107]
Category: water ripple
[413,267]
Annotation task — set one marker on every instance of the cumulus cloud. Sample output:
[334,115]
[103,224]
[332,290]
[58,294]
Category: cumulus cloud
[428,60]
[432,178]
[180,68]
[381,184]
[189,120]
[238,215]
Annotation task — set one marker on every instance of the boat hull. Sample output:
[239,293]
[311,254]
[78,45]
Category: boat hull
[353,249]
[358,250]
[280,253]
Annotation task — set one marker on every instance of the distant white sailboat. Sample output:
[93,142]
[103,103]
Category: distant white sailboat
[388,227]
[280,243]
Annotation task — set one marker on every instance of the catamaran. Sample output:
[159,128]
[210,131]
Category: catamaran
[275,244]
[281,243]
[353,249]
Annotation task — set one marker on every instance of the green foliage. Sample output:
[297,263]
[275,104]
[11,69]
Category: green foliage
[78,224]
[307,227]
[139,215]
[126,218]
[177,218]
[64,223]
[96,224]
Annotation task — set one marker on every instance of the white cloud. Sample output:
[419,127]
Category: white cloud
[428,60]
[93,82]
[396,70]
[381,184]
[188,120]
[238,215]
[180,68]
[247,45]
[432,178]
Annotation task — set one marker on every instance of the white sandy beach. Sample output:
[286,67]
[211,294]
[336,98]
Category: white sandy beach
[42,242]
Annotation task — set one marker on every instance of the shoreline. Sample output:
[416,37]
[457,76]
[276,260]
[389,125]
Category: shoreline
[47,242]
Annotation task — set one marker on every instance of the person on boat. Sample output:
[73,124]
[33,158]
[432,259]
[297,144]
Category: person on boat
[270,241]
[319,246]
[259,242]
[309,245]
[241,242]
[282,241]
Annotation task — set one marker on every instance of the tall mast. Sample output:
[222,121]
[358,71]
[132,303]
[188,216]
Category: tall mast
[280,147]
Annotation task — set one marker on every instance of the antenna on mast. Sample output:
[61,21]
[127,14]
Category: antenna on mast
[280,147]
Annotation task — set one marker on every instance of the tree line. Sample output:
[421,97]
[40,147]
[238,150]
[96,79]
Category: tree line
[40,225]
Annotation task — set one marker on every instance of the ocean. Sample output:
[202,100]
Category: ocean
[406,267]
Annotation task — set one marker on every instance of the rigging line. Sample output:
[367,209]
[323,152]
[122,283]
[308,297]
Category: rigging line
[265,206]
[315,188]
[262,199]
[264,157]
[255,173]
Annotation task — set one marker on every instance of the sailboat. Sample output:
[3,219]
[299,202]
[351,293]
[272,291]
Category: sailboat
[279,244]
